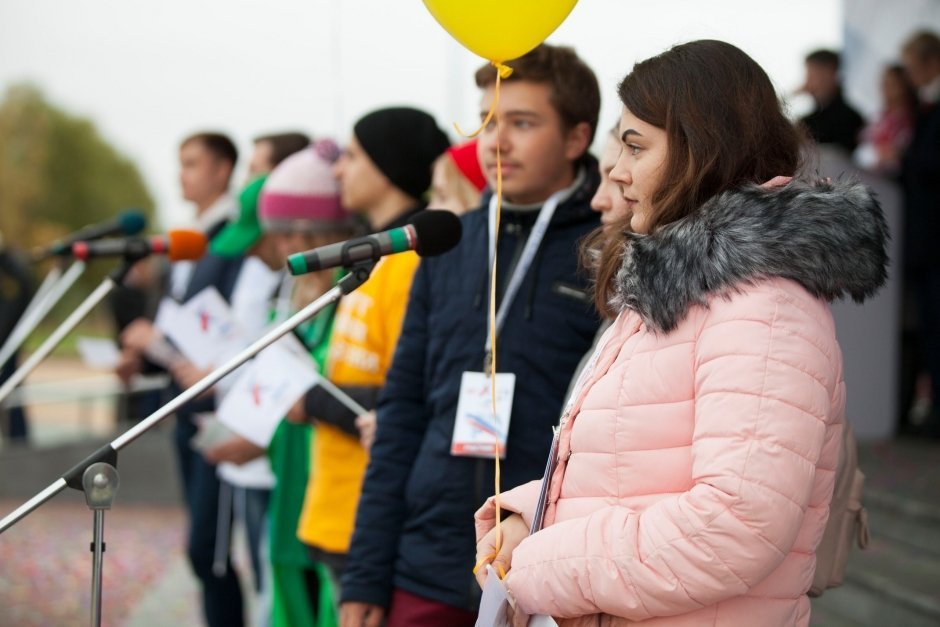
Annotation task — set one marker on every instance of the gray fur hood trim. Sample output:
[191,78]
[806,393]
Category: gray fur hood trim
[830,237]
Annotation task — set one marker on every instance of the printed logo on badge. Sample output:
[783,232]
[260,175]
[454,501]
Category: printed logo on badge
[477,431]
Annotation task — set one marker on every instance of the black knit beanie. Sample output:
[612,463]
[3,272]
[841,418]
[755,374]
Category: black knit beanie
[403,143]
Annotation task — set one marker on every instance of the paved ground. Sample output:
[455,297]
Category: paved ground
[45,562]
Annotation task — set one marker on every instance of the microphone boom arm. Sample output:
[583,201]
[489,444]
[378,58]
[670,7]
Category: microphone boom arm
[41,304]
[358,275]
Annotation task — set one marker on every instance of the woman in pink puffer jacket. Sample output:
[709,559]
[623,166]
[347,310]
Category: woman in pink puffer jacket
[696,455]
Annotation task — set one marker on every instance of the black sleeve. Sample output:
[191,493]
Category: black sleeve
[402,423]
[321,405]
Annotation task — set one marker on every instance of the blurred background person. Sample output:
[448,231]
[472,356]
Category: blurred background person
[608,199]
[16,289]
[300,206]
[457,179]
[207,161]
[246,478]
[833,121]
[270,150]
[244,485]
[885,139]
[384,172]
[920,173]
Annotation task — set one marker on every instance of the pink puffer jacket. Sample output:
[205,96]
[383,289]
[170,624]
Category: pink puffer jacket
[697,458]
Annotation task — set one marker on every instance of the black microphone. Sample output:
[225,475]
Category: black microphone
[130,222]
[177,245]
[430,233]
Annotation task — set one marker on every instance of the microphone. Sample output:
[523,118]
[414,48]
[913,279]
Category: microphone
[430,233]
[177,245]
[130,222]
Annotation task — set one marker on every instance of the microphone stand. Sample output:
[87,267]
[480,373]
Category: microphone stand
[53,287]
[97,476]
[47,282]
[107,285]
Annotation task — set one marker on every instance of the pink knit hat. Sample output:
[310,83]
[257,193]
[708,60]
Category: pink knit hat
[302,194]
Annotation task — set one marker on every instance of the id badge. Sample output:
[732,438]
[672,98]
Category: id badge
[477,432]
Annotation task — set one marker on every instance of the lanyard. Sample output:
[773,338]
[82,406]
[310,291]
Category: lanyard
[525,260]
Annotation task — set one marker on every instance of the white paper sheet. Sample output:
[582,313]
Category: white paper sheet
[495,603]
[264,391]
[204,329]
[98,352]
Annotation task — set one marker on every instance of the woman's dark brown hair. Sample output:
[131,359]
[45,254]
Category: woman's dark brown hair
[724,126]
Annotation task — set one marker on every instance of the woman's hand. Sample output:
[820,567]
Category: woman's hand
[514,531]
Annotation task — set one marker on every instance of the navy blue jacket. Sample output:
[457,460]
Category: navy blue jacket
[414,526]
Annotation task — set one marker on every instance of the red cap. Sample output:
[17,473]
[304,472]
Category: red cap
[465,158]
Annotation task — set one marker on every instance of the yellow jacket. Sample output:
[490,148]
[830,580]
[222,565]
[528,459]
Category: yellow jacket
[365,332]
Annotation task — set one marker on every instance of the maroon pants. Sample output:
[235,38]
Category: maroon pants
[410,610]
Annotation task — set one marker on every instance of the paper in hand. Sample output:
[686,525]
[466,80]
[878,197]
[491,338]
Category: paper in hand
[494,603]
[98,352]
[264,392]
[204,329]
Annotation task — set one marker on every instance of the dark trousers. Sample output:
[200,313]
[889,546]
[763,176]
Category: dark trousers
[13,420]
[221,593]
[250,505]
[926,289]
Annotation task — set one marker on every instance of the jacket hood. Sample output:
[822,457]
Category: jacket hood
[830,237]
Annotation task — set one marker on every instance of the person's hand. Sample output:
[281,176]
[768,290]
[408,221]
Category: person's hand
[236,450]
[516,617]
[297,414]
[187,374]
[356,614]
[514,531]
[138,335]
[129,364]
[366,425]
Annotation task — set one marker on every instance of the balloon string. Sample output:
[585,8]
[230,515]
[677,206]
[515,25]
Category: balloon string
[502,71]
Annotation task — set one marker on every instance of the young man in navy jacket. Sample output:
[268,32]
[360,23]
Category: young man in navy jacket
[413,550]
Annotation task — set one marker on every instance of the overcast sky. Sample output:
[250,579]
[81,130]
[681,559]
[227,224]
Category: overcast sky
[148,73]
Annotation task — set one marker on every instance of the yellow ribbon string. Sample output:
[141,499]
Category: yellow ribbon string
[502,71]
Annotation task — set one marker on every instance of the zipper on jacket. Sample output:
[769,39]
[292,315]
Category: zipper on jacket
[481,292]
[522,236]
[530,301]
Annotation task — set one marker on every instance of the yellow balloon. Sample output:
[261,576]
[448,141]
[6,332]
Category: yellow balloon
[500,30]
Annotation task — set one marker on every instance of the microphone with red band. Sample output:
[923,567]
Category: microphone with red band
[177,245]
[430,233]
[130,222]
